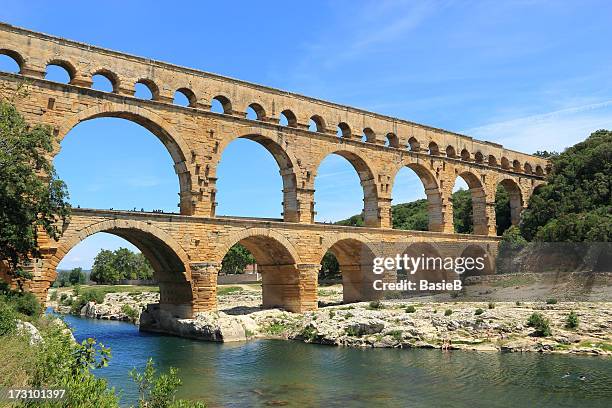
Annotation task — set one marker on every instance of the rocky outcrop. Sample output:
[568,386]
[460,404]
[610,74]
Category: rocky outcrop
[210,326]
[28,330]
[120,306]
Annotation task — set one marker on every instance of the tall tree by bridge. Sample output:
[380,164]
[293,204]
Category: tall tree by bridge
[27,200]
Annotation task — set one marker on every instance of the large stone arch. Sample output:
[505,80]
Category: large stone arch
[283,284]
[169,260]
[355,255]
[432,191]
[367,178]
[273,143]
[178,149]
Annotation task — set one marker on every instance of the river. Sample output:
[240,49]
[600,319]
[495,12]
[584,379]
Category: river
[286,373]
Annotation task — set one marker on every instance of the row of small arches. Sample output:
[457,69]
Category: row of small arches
[107,81]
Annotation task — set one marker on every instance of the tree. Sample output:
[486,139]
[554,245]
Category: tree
[503,218]
[462,212]
[113,266]
[31,195]
[330,268]
[411,216]
[575,205]
[236,259]
[76,276]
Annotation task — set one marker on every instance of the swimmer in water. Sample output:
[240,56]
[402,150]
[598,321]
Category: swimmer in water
[582,378]
[566,375]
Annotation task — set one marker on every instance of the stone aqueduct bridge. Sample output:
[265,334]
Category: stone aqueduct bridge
[186,250]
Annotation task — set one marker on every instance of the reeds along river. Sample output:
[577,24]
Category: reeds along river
[285,373]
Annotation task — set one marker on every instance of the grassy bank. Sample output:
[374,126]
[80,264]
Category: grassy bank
[39,352]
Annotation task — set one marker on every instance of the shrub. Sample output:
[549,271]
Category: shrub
[491,305]
[27,304]
[396,334]
[53,296]
[410,309]
[309,333]
[375,304]
[540,324]
[572,320]
[551,301]
[93,295]
[448,312]
[63,297]
[518,303]
[8,318]
[478,312]
[131,312]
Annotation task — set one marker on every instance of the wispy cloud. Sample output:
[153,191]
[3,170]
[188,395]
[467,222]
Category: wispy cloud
[553,130]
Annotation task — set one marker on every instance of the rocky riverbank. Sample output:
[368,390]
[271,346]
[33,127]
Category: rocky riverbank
[440,321]
[456,326]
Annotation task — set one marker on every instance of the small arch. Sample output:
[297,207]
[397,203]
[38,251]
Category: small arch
[450,151]
[433,148]
[60,71]
[368,135]
[516,166]
[16,57]
[479,157]
[142,85]
[492,161]
[539,171]
[414,144]
[505,163]
[221,104]
[288,118]
[392,140]
[465,155]
[105,80]
[343,130]
[316,124]
[256,112]
[527,168]
[185,97]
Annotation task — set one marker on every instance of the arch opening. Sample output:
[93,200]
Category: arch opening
[368,136]
[316,124]
[276,262]
[414,145]
[255,112]
[508,205]
[338,196]
[60,71]
[257,185]
[469,205]
[99,175]
[10,61]
[146,89]
[221,104]
[140,251]
[287,118]
[391,140]
[434,150]
[417,200]
[450,152]
[354,265]
[477,251]
[431,269]
[343,130]
[104,80]
[185,97]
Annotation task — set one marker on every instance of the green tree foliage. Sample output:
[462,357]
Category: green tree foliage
[330,269]
[576,203]
[236,259]
[27,200]
[76,276]
[462,212]
[354,221]
[503,218]
[411,216]
[113,266]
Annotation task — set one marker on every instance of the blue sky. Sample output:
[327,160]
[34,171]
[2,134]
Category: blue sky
[531,75]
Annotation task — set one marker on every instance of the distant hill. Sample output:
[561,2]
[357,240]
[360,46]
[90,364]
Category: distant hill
[413,215]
